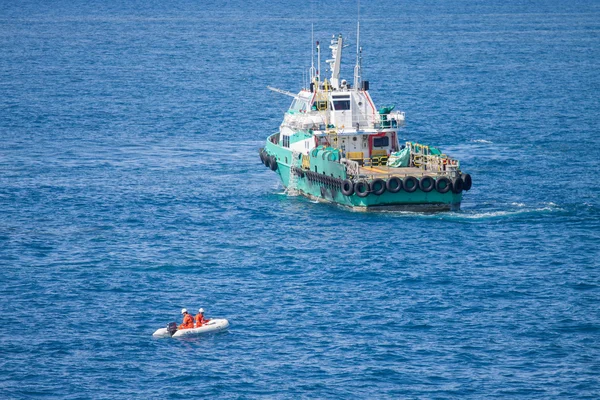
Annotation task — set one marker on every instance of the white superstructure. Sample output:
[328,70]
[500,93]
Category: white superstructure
[337,114]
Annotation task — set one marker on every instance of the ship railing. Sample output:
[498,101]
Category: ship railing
[310,120]
[362,121]
[374,161]
[394,173]
[431,159]
[386,121]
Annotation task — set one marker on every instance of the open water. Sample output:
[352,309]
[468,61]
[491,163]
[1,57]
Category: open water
[130,187]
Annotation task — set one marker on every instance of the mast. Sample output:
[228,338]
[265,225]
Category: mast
[313,71]
[335,62]
[358,51]
[319,62]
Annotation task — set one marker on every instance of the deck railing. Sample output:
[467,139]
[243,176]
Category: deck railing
[431,159]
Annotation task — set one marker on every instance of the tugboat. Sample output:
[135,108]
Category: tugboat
[335,146]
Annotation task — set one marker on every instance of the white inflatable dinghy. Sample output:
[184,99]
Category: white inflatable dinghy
[214,325]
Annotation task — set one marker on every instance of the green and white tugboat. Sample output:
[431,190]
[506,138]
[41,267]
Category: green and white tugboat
[335,146]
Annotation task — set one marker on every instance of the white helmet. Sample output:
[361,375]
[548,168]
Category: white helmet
[201,311]
[183,310]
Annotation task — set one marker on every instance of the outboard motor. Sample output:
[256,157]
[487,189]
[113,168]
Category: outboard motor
[172,328]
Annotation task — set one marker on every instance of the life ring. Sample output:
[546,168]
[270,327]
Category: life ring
[374,184]
[410,184]
[394,184]
[361,188]
[443,185]
[347,187]
[458,185]
[467,180]
[426,184]
[273,163]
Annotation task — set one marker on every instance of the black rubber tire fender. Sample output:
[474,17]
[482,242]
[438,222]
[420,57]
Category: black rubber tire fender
[393,185]
[273,163]
[447,185]
[458,185]
[467,180]
[373,186]
[414,184]
[361,188]
[347,187]
[426,184]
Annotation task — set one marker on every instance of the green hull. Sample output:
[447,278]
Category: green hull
[402,200]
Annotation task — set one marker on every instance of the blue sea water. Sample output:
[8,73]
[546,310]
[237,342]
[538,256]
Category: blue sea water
[130,187]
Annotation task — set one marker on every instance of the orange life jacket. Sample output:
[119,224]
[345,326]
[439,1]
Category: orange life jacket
[200,320]
[188,322]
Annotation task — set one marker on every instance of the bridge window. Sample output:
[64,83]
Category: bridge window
[341,105]
[381,142]
[298,105]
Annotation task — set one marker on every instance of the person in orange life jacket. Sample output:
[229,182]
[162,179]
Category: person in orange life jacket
[188,320]
[200,318]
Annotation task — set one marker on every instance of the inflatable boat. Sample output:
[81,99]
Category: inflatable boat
[214,325]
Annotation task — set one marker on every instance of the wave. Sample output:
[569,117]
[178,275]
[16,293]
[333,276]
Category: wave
[482,141]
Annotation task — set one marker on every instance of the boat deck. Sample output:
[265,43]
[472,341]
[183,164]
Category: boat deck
[385,171]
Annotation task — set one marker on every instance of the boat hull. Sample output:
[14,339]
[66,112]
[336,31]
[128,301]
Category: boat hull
[214,325]
[418,200]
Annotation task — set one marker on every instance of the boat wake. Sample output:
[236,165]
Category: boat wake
[512,210]
[472,214]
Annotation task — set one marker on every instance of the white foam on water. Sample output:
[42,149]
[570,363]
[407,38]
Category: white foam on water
[521,209]
[482,141]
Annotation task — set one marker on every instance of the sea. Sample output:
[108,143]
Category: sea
[131,187]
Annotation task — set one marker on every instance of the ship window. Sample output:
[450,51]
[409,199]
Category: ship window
[298,105]
[381,142]
[286,141]
[341,105]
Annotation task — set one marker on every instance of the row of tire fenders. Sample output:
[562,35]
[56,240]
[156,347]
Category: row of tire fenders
[378,186]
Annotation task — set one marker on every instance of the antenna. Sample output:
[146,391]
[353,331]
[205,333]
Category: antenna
[319,62]
[358,51]
[313,71]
